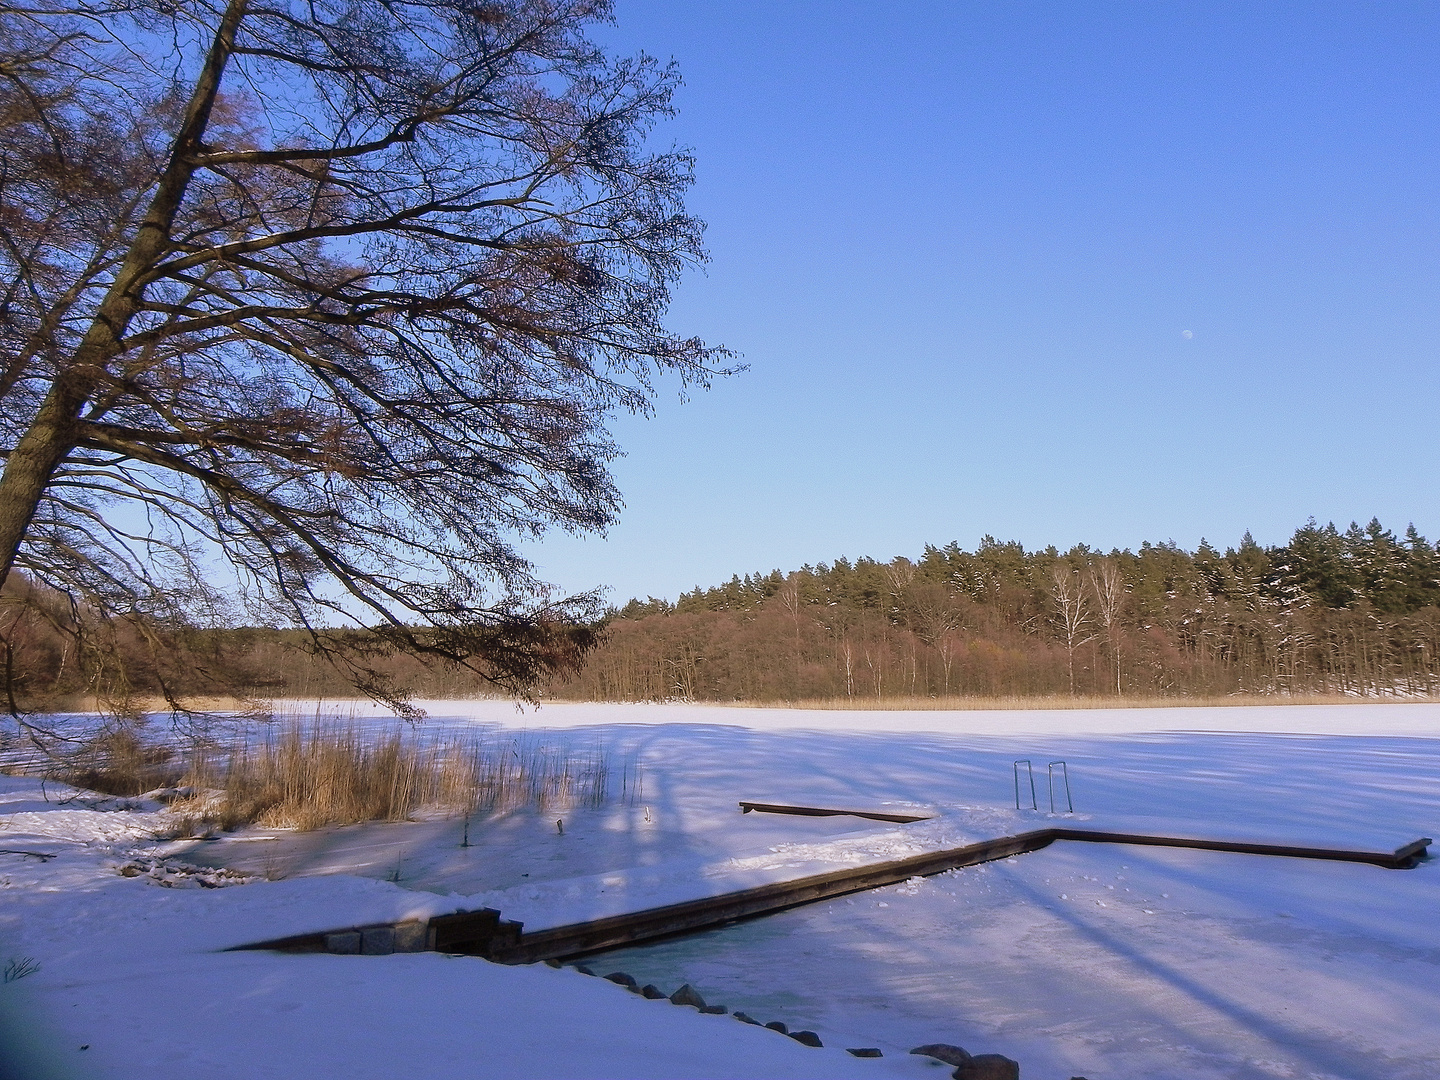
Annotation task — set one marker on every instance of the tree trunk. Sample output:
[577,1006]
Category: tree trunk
[55,430]
[33,462]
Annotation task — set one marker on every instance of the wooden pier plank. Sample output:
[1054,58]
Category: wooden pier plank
[747,806]
[483,933]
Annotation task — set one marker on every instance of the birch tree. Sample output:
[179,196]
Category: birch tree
[1071,612]
[1109,587]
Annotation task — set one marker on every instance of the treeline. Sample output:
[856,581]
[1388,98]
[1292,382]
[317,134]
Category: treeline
[1353,612]
[55,655]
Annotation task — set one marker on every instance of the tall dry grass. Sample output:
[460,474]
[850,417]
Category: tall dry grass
[116,760]
[308,777]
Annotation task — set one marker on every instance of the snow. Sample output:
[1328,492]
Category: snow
[1389,718]
[1104,961]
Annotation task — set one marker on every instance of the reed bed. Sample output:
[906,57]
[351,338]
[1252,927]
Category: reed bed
[305,777]
[308,774]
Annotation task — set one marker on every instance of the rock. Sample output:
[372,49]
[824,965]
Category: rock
[951,1055]
[583,969]
[411,936]
[377,941]
[714,1010]
[621,978]
[651,991]
[686,995]
[776,1025]
[864,1051]
[809,1038]
[554,964]
[988,1067]
[345,943]
[746,1019]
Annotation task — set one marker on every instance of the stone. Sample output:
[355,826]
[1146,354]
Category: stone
[988,1067]
[686,995]
[377,941]
[776,1025]
[554,963]
[584,970]
[653,992]
[345,943]
[746,1019]
[864,1051]
[411,936]
[950,1055]
[621,978]
[809,1038]
[714,1010]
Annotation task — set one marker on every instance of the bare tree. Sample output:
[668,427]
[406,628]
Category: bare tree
[339,294]
[790,600]
[937,616]
[840,622]
[684,671]
[1072,612]
[1109,588]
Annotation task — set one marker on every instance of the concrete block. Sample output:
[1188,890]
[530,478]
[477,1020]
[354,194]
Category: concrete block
[345,943]
[411,936]
[377,941]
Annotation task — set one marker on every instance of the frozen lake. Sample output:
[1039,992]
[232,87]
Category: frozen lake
[1077,960]
[1102,961]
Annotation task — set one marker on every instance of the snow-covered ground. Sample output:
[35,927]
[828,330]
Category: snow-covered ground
[1079,960]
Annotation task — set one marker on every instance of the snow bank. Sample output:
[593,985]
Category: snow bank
[131,982]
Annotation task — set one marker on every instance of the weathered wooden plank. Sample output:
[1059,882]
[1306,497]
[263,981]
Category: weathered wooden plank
[563,942]
[1409,856]
[1402,859]
[825,811]
[572,941]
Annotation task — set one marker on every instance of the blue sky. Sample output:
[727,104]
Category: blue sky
[1059,273]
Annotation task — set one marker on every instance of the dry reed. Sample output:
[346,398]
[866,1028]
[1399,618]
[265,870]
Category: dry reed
[117,761]
[308,777]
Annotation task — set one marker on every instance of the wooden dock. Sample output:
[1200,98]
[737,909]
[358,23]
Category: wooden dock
[484,933]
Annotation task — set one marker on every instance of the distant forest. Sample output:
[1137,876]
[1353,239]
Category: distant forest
[1331,612]
[1354,613]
